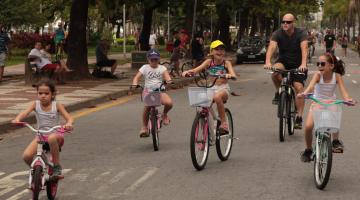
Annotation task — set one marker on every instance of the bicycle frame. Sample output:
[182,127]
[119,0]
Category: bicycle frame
[210,117]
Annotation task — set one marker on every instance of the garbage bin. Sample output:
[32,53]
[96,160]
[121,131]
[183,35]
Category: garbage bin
[138,59]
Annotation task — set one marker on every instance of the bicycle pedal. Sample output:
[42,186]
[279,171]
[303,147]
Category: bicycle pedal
[338,151]
[236,138]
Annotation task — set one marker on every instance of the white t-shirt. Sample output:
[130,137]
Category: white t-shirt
[152,39]
[43,61]
[153,76]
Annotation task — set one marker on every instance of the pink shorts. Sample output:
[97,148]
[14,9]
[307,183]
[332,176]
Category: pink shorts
[50,67]
[46,137]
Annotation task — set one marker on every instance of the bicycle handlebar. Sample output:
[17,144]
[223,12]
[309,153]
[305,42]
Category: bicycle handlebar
[216,76]
[283,71]
[61,128]
[335,102]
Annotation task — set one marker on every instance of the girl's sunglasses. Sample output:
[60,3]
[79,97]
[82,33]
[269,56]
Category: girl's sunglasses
[322,64]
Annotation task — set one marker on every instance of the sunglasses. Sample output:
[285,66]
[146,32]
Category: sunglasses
[322,64]
[286,22]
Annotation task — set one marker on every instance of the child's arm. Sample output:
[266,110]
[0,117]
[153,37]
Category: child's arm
[25,113]
[315,79]
[198,69]
[66,115]
[342,88]
[166,76]
[230,69]
[136,78]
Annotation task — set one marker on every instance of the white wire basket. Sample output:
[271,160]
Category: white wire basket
[327,117]
[151,98]
[200,96]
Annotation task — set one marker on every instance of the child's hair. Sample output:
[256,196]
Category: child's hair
[49,83]
[339,65]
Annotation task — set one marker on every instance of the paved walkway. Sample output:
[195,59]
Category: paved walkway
[15,96]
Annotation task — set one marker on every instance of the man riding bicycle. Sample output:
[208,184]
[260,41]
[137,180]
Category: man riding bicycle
[293,51]
[330,42]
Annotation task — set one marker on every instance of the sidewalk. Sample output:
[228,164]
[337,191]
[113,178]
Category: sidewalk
[15,96]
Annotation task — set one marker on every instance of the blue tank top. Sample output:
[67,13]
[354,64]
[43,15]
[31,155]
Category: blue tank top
[215,69]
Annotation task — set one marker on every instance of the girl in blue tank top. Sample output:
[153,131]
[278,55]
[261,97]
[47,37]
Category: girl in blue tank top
[323,85]
[47,112]
[217,65]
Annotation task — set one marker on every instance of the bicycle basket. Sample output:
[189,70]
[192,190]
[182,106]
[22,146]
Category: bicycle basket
[200,97]
[327,117]
[151,98]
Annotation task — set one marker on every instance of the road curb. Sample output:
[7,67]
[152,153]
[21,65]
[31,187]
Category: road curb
[7,126]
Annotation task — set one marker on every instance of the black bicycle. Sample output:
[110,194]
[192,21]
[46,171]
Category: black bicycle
[286,108]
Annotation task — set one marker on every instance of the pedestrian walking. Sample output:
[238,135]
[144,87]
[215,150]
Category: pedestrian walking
[344,44]
[4,41]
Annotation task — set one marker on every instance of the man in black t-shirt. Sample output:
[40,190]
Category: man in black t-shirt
[293,50]
[330,42]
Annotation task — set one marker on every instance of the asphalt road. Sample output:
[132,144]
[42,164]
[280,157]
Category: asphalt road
[105,159]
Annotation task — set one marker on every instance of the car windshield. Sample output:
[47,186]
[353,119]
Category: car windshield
[251,42]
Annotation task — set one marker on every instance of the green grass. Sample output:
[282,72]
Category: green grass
[18,56]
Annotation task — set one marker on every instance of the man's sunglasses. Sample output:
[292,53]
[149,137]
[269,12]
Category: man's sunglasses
[321,63]
[286,22]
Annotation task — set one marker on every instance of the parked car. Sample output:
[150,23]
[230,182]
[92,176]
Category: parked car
[251,49]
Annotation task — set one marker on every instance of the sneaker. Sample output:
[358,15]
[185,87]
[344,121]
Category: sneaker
[337,146]
[276,98]
[56,171]
[298,122]
[306,155]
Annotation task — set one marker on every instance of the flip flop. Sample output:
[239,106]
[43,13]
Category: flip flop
[144,133]
[166,121]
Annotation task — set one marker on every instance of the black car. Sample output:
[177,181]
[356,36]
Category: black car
[251,49]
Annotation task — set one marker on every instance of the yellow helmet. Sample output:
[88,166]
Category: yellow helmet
[216,43]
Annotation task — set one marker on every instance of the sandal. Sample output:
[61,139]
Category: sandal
[166,120]
[144,133]
[224,129]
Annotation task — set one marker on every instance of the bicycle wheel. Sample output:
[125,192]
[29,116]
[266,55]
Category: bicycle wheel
[323,161]
[51,189]
[37,181]
[224,143]
[154,130]
[199,142]
[291,108]
[282,115]
[186,66]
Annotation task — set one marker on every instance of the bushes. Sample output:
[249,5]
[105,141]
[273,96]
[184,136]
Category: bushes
[129,40]
[27,40]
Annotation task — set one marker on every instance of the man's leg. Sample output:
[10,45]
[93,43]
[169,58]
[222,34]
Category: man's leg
[300,103]
[276,78]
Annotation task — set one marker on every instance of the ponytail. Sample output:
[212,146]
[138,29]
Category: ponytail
[339,65]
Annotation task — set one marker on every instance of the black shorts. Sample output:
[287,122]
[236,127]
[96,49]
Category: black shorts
[106,63]
[344,46]
[300,78]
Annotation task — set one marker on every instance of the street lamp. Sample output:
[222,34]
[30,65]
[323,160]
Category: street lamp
[211,19]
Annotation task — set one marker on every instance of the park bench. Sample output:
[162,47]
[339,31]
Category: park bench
[33,74]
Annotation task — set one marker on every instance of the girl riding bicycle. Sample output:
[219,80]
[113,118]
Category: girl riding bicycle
[47,115]
[217,65]
[323,85]
[154,75]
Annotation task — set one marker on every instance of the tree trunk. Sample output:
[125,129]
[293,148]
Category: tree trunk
[253,25]
[243,22]
[224,23]
[77,46]
[189,14]
[146,29]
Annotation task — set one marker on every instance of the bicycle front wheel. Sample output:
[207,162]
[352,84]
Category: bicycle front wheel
[323,161]
[199,142]
[186,66]
[282,116]
[291,113]
[36,184]
[51,189]
[224,143]
[154,130]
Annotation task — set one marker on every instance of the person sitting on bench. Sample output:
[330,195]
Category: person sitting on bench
[102,59]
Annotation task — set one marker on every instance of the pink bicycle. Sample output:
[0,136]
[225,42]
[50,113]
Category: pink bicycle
[41,168]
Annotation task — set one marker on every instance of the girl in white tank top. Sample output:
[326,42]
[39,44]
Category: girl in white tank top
[47,112]
[323,84]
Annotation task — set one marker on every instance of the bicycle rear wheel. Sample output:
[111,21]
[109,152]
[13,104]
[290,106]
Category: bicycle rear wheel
[154,129]
[36,184]
[224,143]
[282,115]
[323,161]
[199,142]
[51,189]
[168,67]
[291,109]
[186,66]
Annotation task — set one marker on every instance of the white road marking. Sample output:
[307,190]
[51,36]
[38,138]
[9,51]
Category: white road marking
[101,176]
[353,64]
[355,82]
[1,173]
[25,191]
[119,176]
[8,183]
[348,75]
[142,179]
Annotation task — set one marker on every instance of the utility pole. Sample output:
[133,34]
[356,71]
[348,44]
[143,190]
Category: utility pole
[124,31]
[194,20]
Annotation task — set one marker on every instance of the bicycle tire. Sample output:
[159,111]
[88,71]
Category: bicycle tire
[203,145]
[291,114]
[154,130]
[51,189]
[323,148]
[186,66]
[224,155]
[282,115]
[37,182]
